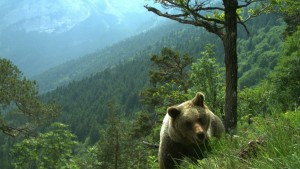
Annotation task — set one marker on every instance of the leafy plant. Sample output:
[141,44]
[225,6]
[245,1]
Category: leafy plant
[52,150]
[168,77]
[208,76]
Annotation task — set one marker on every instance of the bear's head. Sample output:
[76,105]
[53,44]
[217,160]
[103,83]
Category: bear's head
[189,121]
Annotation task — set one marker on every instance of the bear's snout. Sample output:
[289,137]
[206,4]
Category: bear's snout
[199,132]
[201,136]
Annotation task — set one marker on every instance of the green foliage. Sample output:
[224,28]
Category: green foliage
[289,6]
[169,66]
[168,78]
[258,100]
[120,146]
[280,91]
[286,74]
[88,158]
[252,77]
[53,149]
[20,109]
[169,94]
[152,162]
[85,102]
[258,54]
[142,125]
[110,144]
[208,76]
[290,11]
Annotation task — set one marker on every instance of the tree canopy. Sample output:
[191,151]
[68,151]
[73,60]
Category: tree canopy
[53,150]
[168,75]
[20,109]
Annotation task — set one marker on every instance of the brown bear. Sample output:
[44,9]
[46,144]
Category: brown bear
[185,132]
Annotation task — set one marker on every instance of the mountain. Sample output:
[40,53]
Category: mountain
[181,34]
[107,57]
[38,35]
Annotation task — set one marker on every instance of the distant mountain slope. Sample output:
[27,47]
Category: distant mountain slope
[86,102]
[38,35]
[102,59]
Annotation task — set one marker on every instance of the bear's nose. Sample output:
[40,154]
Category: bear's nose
[201,136]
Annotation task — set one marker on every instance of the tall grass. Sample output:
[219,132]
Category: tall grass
[266,143]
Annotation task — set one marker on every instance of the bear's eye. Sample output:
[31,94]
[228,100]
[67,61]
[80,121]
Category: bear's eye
[201,120]
[188,124]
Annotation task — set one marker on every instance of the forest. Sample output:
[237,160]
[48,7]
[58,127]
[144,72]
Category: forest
[109,116]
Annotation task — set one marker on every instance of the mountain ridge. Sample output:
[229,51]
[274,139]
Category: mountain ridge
[97,61]
[38,35]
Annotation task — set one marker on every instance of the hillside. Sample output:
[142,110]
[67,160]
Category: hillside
[102,59]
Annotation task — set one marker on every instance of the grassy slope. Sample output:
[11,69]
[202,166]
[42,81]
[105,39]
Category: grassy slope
[270,142]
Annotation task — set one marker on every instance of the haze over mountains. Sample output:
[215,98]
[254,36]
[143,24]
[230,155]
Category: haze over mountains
[38,35]
[107,57]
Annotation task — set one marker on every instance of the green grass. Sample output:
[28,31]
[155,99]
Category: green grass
[268,143]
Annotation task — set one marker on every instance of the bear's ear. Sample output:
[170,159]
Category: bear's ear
[198,100]
[173,112]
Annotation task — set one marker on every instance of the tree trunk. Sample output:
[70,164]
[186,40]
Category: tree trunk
[231,66]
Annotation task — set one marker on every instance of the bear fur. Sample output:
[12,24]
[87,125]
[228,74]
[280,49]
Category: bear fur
[185,132]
